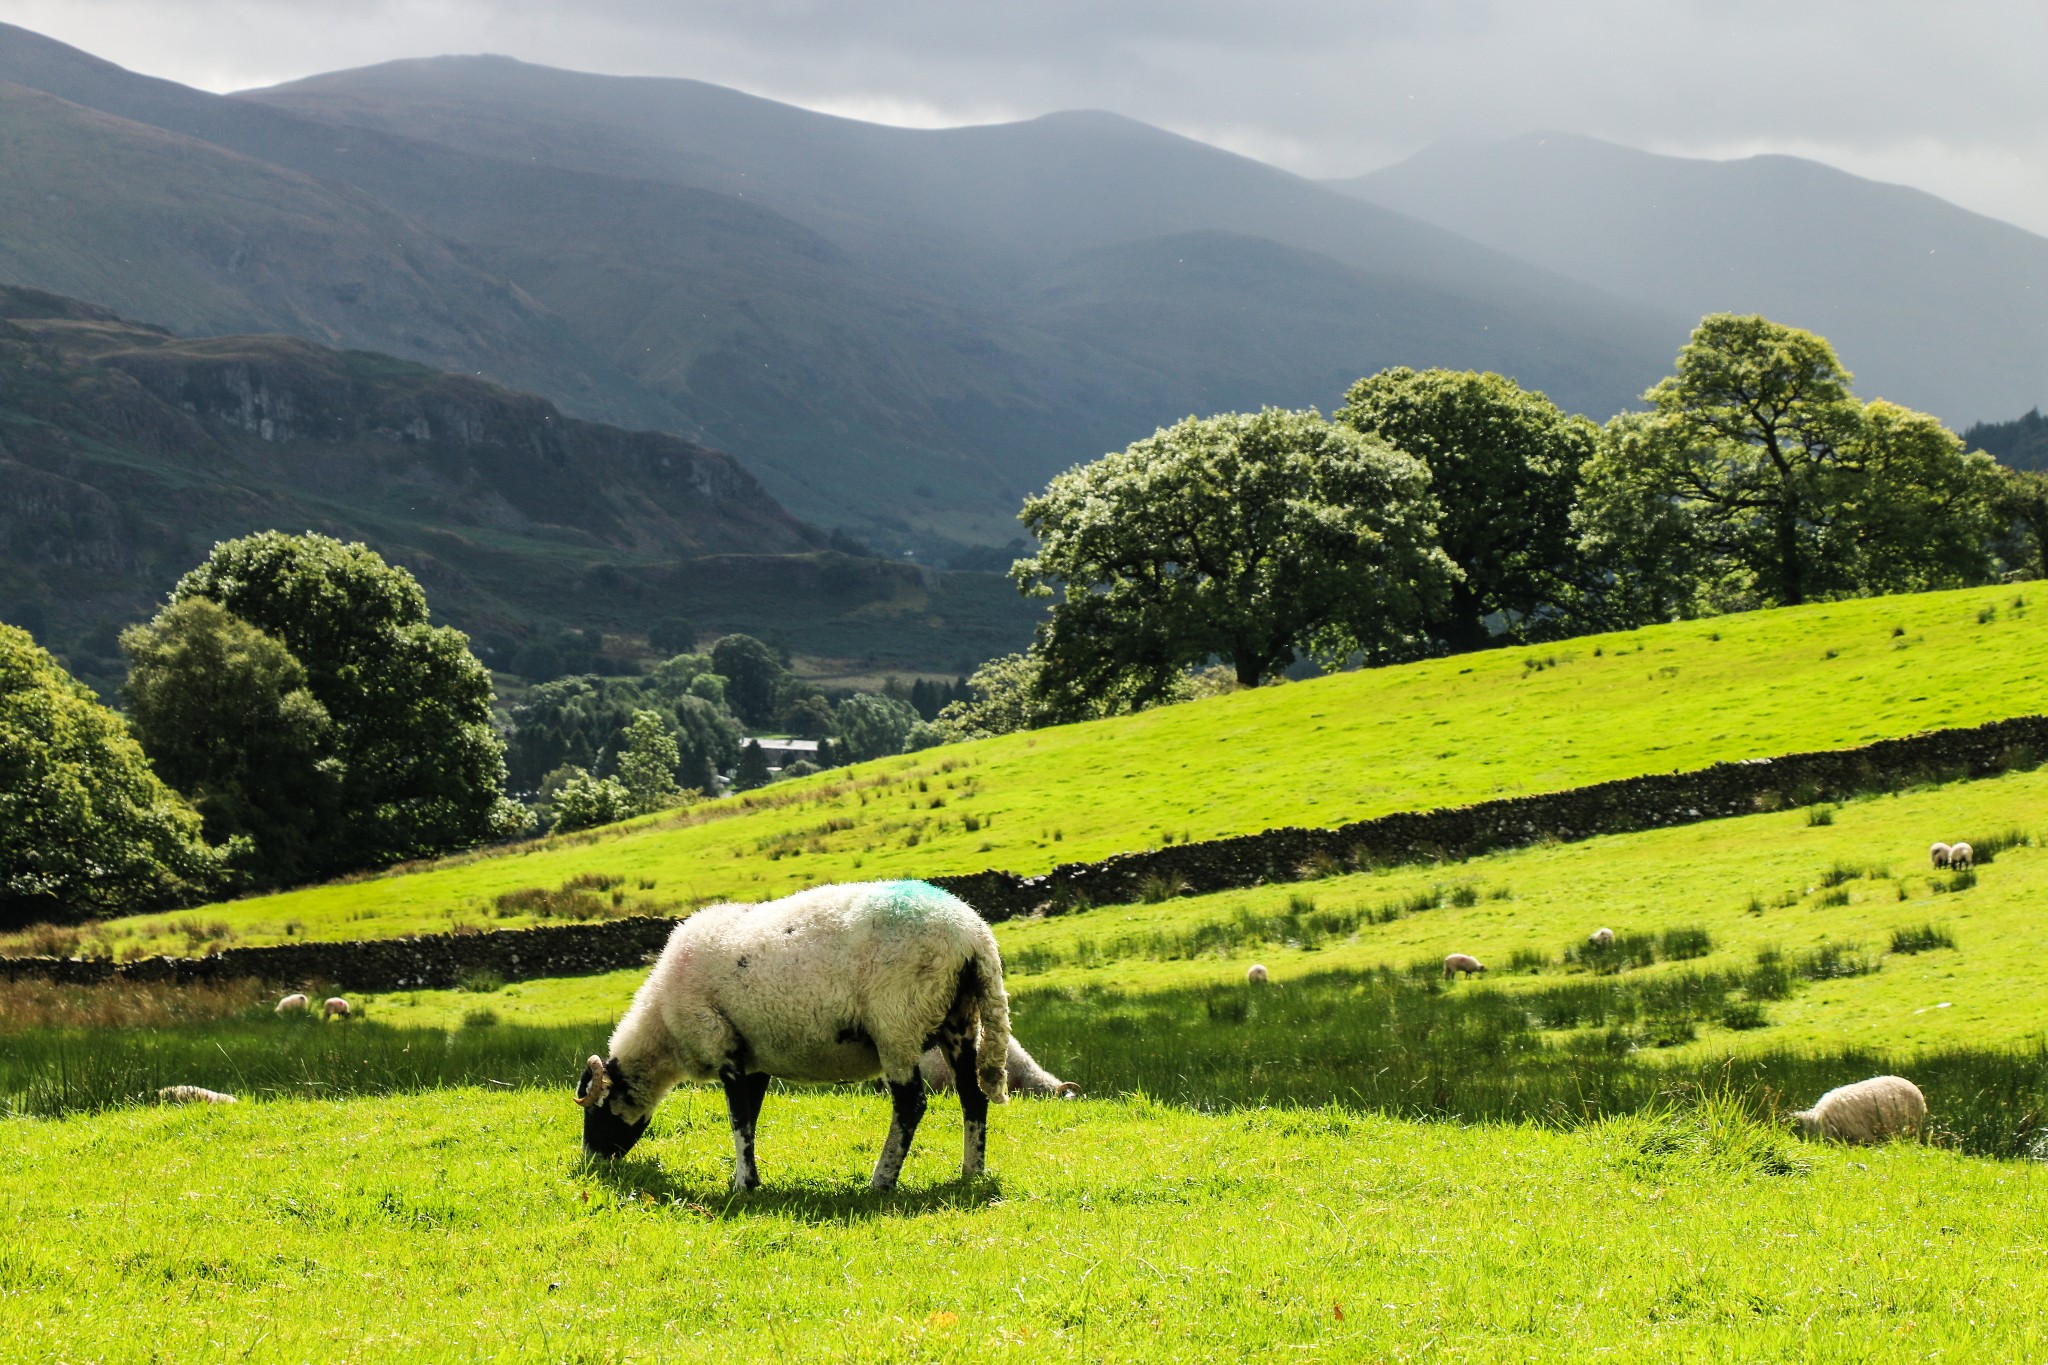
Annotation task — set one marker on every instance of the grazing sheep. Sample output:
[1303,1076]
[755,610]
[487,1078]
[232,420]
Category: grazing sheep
[1458,963]
[1865,1113]
[837,983]
[1961,855]
[335,1008]
[1256,974]
[294,1004]
[192,1094]
[1026,1076]
[1603,937]
[1940,853]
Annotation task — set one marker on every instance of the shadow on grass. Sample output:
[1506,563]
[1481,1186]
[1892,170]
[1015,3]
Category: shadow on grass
[804,1201]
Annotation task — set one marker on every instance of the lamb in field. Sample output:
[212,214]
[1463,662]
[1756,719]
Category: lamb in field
[192,1094]
[837,983]
[1603,937]
[1256,974]
[1462,964]
[1940,853]
[1865,1113]
[335,1008]
[294,1004]
[1026,1076]
[1961,855]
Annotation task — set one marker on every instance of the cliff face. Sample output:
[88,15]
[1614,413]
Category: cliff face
[126,452]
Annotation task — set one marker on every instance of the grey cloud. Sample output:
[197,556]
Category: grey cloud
[1947,97]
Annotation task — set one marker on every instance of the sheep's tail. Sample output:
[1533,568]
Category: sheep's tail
[992,1004]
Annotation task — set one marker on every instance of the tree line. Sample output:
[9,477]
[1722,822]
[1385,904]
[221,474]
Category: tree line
[1439,511]
[291,714]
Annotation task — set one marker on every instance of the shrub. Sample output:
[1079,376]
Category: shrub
[1820,815]
[1683,942]
[1744,1015]
[480,981]
[585,801]
[1924,938]
[1832,960]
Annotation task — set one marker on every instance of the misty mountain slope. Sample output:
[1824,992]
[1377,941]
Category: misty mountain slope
[1306,325]
[1039,189]
[1928,303]
[184,233]
[126,451]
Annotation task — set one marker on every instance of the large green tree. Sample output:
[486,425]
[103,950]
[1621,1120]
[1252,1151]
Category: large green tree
[1504,466]
[1759,479]
[224,713]
[1249,537]
[422,770]
[754,676]
[86,827]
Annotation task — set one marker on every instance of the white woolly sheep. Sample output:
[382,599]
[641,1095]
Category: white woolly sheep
[192,1094]
[296,1003]
[1939,853]
[1865,1113]
[1026,1076]
[1961,855]
[837,983]
[1256,974]
[1603,937]
[1464,963]
[335,1008]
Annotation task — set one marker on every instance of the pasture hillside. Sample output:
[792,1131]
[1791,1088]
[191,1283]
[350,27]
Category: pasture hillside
[466,1227]
[1766,884]
[1317,753]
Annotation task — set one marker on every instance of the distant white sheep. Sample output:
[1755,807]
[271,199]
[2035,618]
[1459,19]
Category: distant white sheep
[1867,1112]
[1940,854]
[838,983]
[1256,974]
[1026,1076]
[192,1094]
[1462,964]
[294,1004]
[1603,937]
[1960,856]
[335,1008]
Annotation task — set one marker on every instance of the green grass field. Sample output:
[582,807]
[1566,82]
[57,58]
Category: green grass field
[1442,732]
[461,1226]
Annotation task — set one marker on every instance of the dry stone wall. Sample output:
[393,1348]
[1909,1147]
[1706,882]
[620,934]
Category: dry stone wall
[1277,855]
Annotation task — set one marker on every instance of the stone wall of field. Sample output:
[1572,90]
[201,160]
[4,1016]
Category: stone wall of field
[1277,855]
[431,960]
[1619,807]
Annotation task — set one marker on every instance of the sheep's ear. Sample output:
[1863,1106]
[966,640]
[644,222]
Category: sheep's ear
[593,1084]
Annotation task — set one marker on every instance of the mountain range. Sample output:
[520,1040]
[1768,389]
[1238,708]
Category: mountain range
[900,331]
[1931,305]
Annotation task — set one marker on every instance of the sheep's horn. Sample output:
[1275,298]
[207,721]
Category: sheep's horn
[595,1082]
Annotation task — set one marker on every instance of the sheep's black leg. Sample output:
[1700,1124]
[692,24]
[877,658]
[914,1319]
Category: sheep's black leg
[744,1092]
[973,1106]
[907,1104]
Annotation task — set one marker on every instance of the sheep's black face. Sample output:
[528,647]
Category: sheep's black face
[603,1092]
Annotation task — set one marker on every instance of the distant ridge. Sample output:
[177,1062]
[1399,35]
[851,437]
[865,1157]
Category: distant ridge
[1930,304]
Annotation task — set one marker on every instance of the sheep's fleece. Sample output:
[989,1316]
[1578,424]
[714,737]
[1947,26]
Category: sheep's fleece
[1866,1112]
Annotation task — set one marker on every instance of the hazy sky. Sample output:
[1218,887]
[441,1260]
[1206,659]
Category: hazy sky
[1947,95]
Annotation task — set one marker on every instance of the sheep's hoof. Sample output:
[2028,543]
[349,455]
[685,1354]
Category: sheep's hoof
[881,1186]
